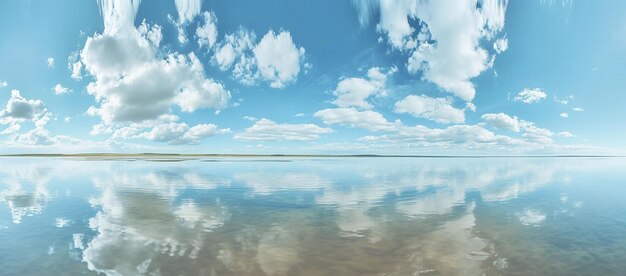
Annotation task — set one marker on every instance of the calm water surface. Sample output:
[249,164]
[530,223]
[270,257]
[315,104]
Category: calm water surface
[350,216]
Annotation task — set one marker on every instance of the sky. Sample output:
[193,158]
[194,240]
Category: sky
[448,77]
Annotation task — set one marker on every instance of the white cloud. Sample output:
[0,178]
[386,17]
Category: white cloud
[578,109]
[75,65]
[353,92]
[394,21]
[466,137]
[530,96]
[180,133]
[50,62]
[564,115]
[439,110]
[207,33]
[470,106]
[187,11]
[278,58]
[275,59]
[234,51]
[20,109]
[118,14]
[11,129]
[501,45]
[36,136]
[4,83]
[565,134]
[535,133]
[202,94]
[250,118]
[502,121]
[299,114]
[367,119]
[166,129]
[132,83]
[60,90]
[67,119]
[267,130]
[447,52]
[136,82]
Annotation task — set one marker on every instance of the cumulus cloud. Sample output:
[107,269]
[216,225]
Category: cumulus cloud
[564,115]
[207,32]
[4,83]
[11,129]
[187,11]
[502,121]
[75,65]
[60,90]
[133,84]
[202,94]
[530,96]
[166,129]
[135,81]
[358,114]
[536,134]
[578,109]
[50,62]
[501,45]
[466,136]
[267,130]
[234,51]
[565,134]
[352,117]
[439,110]
[353,92]
[36,136]
[275,59]
[528,129]
[446,52]
[181,133]
[278,58]
[19,109]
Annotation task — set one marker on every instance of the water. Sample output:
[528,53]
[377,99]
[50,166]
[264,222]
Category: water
[350,216]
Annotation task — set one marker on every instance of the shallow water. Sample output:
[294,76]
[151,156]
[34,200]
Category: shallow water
[344,216]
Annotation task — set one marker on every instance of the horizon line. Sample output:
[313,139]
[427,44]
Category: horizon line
[200,155]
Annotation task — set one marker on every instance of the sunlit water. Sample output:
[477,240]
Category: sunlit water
[346,216]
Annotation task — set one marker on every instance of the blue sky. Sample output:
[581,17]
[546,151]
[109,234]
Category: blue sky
[374,76]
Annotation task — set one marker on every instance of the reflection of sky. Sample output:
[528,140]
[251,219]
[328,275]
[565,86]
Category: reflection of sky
[25,190]
[274,218]
[139,222]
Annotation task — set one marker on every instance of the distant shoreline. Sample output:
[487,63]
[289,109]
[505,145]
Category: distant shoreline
[208,155]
